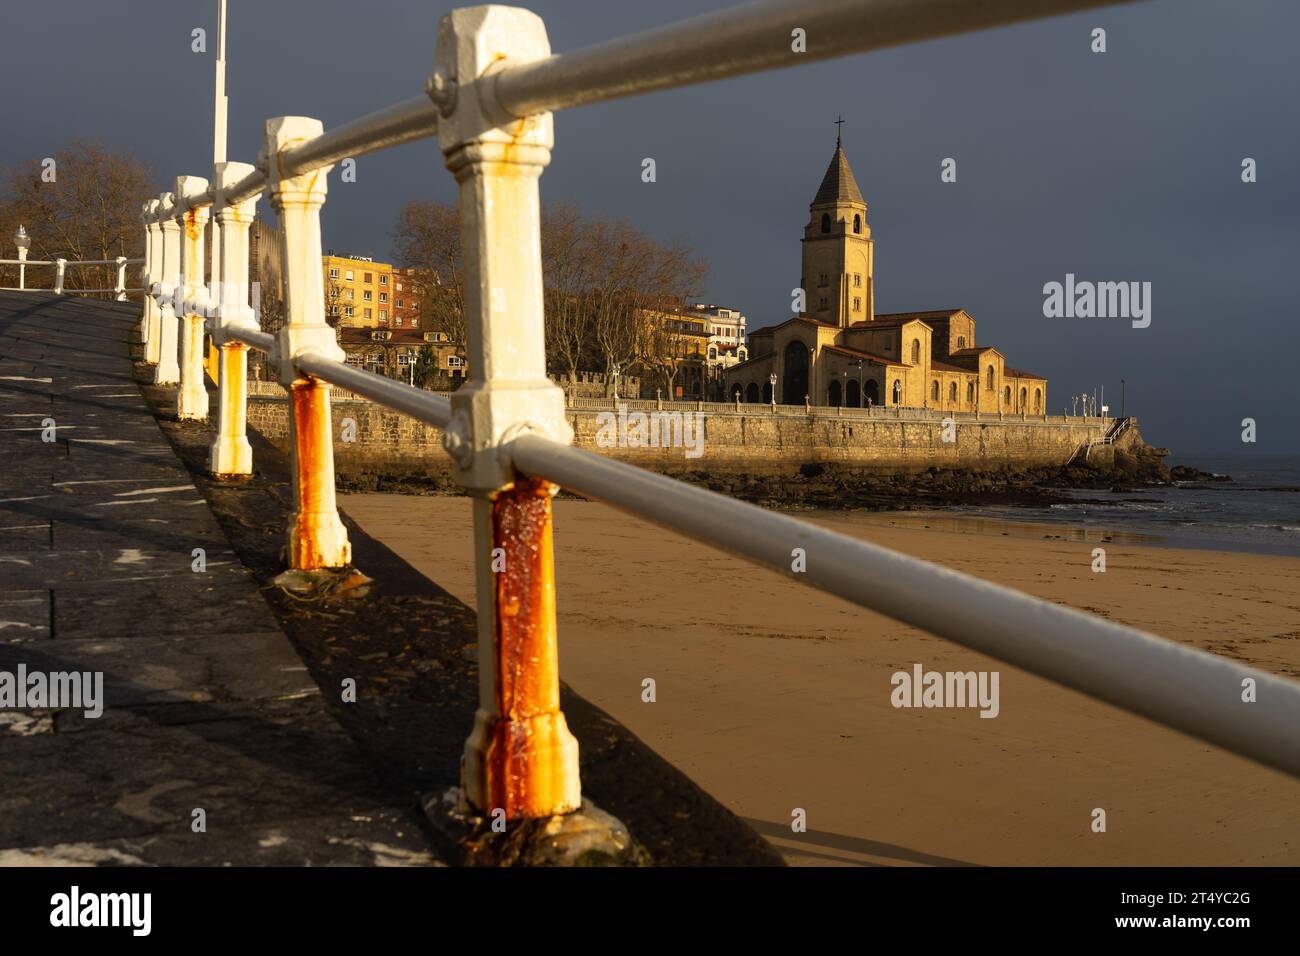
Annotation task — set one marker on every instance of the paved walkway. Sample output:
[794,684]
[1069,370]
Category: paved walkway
[209,707]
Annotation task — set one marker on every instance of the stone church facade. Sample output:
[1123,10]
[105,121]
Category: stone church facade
[838,351]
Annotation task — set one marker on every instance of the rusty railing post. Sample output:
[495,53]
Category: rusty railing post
[192,397]
[231,453]
[317,538]
[167,371]
[520,757]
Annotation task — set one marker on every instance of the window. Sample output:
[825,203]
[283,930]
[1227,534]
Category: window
[367,295]
[857,304]
[399,287]
[1038,399]
[455,361]
[383,280]
[822,280]
[401,303]
[383,297]
[952,393]
[821,303]
[826,223]
[934,390]
[347,311]
[857,280]
[988,381]
[1008,396]
[398,320]
[916,351]
[368,313]
[970,392]
[383,315]
[713,353]
[857,223]
[334,273]
[368,276]
[348,294]
[403,359]
[348,275]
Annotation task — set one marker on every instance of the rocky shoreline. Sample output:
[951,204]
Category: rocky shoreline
[829,486]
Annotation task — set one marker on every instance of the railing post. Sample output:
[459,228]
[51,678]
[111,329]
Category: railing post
[192,398]
[317,538]
[230,453]
[520,757]
[167,371]
[119,291]
[150,323]
[60,269]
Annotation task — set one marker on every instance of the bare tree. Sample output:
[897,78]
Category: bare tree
[90,210]
[427,237]
[567,264]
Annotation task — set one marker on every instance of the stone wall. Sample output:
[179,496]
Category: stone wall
[754,440]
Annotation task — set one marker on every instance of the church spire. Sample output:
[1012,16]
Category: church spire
[838,185]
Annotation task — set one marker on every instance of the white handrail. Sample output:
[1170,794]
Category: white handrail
[1184,688]
[747,39]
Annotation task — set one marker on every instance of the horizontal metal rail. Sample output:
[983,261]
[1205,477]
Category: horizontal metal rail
[730,42]
[262,341]
[67,262]
[1184,688]
[748,39]
[416,402]
[405,122]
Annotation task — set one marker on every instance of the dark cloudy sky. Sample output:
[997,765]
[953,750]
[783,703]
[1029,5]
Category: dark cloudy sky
[1116,166]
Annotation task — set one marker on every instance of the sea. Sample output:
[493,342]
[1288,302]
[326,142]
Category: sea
[1257,511]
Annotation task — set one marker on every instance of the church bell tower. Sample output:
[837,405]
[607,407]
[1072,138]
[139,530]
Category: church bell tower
[838,256]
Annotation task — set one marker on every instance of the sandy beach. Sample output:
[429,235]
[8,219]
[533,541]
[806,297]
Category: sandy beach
[774,697]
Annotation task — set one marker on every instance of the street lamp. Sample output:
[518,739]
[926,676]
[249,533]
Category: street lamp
[771,379]
[23,242]
[615,370]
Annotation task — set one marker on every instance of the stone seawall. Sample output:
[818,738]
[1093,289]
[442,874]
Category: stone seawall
[754,441]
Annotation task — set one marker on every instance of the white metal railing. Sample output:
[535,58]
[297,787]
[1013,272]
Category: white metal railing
[120,290]
[487,100]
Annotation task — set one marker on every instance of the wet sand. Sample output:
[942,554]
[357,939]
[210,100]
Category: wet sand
[774,697]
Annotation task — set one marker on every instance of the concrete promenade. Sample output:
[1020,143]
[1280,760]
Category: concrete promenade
[209,708]
[222,691]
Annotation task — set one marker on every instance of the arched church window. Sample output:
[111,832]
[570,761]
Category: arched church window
[970,392]
[857,223]
[898,392]
[934,390]
[833,394]
[916,351]
[826,222]
[1008,396]
[1024,398]
[1038,399]
[988,384]
[961,341]
[952,392]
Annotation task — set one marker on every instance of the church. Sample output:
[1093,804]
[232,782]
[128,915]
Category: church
[838,351]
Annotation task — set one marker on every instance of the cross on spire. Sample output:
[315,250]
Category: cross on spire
[839,122]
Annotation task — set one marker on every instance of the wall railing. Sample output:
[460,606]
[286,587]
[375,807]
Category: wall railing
[120,290]
[488,101]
